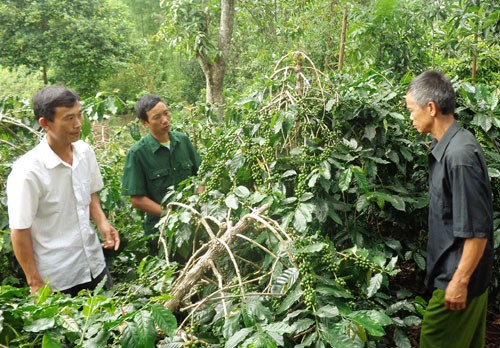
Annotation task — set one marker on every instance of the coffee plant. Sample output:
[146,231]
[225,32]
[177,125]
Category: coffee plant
[310,231]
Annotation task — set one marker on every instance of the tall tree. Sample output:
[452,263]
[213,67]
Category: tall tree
[204,29]
[77,42]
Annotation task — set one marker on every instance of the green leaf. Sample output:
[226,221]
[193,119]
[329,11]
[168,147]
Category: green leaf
[288,277]
[400,305]
[41,324]
[412,320]
[231,202]
[278,327]
[371,320]
[86,126]
[482,121]
[100,340]
[361,178]
[50,340]
[68,323]
[375,283]
[242,192]
[130,336]
[419,260]
[397,116]
[396,201]
[370,132]
[42,294]
[400,339]
[335,338]
[288,174]
[231,324]
[378,160]
[310,339]
[140,332]
[314,248]
[299,221]
[258,311]
[345,178]
[238,337]
[393,244]
[362,203]
[406,153]
[337,291]
[330,104]
[327,311]
[164,319]
[302,325]
[306,196]
[290,300]
[369,325]
[237,162]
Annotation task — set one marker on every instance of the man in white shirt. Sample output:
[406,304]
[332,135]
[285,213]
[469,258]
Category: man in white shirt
[51,197]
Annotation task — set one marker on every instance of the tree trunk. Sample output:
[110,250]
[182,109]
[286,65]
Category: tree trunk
[342,38]
[190,277]
[328,40]
[215,71]
[44,74]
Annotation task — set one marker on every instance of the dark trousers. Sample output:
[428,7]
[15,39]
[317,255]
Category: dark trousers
[92,284]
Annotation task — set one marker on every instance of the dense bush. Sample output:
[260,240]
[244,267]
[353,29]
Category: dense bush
[326,183]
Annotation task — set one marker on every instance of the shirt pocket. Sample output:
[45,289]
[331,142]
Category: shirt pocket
[186,169]
[440,206]
[159,180]
[51,205]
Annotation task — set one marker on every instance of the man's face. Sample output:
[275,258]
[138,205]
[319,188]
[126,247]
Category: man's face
[158,120]
[420,116]
[66,126]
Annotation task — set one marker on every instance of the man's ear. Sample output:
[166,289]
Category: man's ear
[144,123]
[42,121]
[433,108]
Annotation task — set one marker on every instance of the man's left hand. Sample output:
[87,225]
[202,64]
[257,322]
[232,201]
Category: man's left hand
[455,298]
[110,236]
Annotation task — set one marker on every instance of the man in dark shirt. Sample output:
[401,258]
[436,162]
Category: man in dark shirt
[460,247]
[161,159]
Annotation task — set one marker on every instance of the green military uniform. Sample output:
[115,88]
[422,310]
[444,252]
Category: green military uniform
[151,168]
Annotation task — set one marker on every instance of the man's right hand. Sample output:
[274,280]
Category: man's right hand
[35,285]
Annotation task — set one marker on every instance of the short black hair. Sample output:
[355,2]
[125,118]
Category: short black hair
[49,98]
[146,103]
[433,86]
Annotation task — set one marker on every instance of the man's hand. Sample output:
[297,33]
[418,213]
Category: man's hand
[456,293]
[110,236]
[35,284]
[455,298]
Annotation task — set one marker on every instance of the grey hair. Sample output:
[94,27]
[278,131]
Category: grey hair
[433,86]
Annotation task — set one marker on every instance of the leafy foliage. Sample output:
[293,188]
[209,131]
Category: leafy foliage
[50,34]
[336,258]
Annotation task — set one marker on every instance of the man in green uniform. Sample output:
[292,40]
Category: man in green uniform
[460,246]
[161,159]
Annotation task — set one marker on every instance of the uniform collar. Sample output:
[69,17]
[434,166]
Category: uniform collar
[154,144]
[438,148]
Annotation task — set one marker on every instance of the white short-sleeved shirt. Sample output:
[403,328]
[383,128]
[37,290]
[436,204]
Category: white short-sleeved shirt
[52,198]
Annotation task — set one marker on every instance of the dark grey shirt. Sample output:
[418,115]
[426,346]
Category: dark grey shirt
[460,207]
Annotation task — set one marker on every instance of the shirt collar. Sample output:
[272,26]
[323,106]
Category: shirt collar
[154,144]
[438,148]
[48,156]
[51,159]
